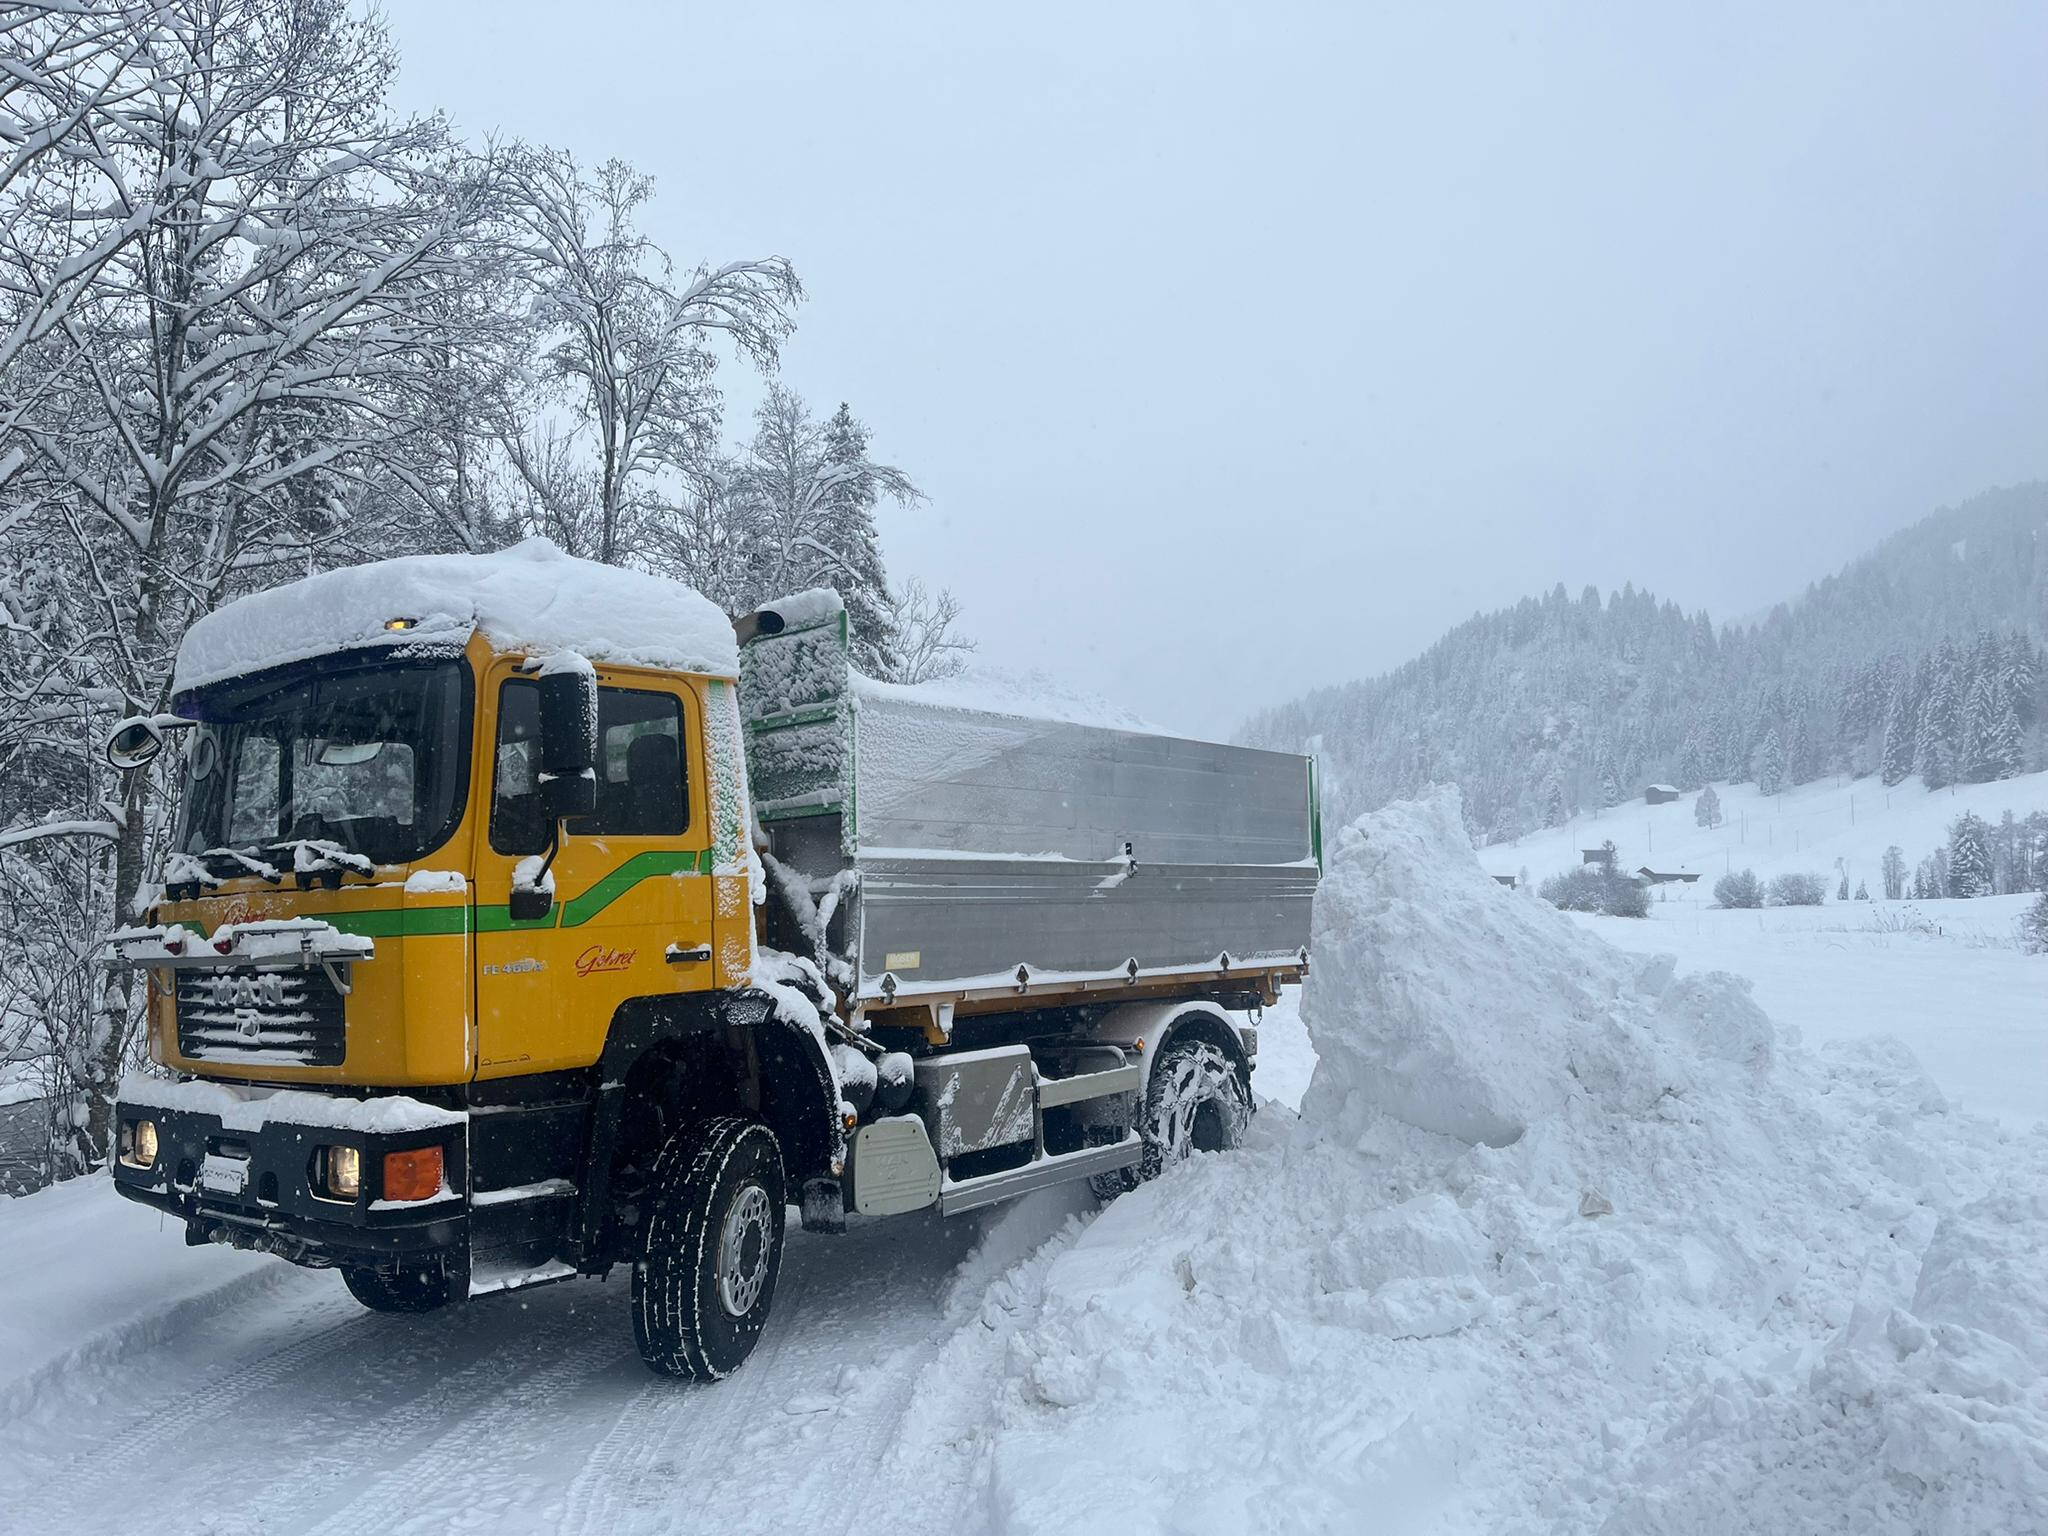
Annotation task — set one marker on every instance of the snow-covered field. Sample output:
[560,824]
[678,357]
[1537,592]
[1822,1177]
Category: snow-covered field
[1942,976]
[1831,827]
[1559,1242]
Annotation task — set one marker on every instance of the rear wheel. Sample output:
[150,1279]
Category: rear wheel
[711,1249]
[410,1288]
[1194,1102]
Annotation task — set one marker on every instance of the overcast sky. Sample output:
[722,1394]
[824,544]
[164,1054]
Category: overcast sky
[1244,349]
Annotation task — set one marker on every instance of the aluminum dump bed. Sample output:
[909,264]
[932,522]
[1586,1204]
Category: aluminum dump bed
[950,844]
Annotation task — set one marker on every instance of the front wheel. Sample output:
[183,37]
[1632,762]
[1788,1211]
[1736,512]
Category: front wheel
[711,1249]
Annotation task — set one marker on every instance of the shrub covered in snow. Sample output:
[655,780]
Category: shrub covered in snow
[1798,890]
[1739,889]
[2033,926]
[1595,888]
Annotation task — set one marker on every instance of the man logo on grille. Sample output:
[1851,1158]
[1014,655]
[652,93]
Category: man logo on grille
[253,992]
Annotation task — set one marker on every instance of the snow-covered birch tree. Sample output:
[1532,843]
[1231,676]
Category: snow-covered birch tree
[629,344]
[225,277]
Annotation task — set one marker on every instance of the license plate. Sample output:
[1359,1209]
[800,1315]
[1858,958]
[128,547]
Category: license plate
[224,1175]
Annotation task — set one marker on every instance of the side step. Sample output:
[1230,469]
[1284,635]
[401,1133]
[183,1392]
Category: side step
[515,1234]
[517,1277]
[1054,1091]
[972,1194]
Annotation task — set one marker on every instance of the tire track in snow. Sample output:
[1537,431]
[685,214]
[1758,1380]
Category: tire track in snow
[103,1351]
[473,1452]
[173,1418]
[814,1414]
[366,1391]
[616,1482]
[356,1437]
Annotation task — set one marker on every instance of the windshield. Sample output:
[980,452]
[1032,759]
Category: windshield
[340,770]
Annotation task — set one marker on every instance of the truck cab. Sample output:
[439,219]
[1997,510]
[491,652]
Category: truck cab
[477,964]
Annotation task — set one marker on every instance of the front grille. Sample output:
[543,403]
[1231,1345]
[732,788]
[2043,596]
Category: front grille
[243,1014]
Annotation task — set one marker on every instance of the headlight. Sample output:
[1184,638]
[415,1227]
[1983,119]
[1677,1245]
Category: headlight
[344,1172]
[139,1138]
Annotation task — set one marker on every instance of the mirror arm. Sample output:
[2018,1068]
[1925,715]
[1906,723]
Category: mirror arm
[554,847]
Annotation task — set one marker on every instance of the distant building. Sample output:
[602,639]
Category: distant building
[1651,876]
[1506,880]
[1661,794]
[1597,856]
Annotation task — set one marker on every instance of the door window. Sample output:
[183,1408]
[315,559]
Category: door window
[642,769]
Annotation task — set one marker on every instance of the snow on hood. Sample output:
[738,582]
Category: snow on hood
[1561,1242]
[530,598]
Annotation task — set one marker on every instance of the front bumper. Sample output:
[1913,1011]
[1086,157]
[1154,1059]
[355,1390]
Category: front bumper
[247,1179]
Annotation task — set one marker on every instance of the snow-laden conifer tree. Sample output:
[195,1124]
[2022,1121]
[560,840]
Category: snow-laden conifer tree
[1557,803]
[1940,718]
[1769,764]
[847,527]
[1969,856]
[1901,727]
[807,493]
[1992,733]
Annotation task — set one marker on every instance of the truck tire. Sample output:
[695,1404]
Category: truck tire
[414,1288]
[1194,1102]
[711,1248]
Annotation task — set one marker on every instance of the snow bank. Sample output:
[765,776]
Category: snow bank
[1439,1003]
[1562,1242]
[531,597]
[91,1276]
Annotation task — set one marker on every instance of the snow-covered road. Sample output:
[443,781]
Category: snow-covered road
[268,1401]
[935,1376]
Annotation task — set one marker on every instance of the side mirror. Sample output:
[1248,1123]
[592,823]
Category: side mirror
[568,743]
[134,743]
[529,903]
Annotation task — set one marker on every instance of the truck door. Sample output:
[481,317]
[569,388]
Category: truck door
[632,915]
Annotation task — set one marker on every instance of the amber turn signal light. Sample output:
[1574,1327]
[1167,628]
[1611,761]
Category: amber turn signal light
[414,1175]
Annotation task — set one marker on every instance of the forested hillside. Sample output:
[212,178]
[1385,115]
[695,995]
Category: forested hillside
[1924,656]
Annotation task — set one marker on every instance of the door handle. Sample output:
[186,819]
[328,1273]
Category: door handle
[695,953]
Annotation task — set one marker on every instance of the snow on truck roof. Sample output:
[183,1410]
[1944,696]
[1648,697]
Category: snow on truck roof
[531,597]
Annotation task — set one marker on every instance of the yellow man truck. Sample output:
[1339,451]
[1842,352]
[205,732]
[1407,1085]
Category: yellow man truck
[524,917]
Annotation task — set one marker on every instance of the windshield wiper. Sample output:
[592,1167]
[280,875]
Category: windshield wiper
[188,869]
[320,855]
[248,861]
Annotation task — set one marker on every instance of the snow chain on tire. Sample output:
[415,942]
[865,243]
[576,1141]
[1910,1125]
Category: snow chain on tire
[1194,1102]
[711,1250]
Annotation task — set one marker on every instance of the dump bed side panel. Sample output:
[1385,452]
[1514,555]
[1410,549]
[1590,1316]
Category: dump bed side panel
[940,927]
[984,839]
[988,841]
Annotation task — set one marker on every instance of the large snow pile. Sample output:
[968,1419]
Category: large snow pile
[531,597]
[1561,1242]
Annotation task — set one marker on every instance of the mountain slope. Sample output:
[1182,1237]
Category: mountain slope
[1921,657]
